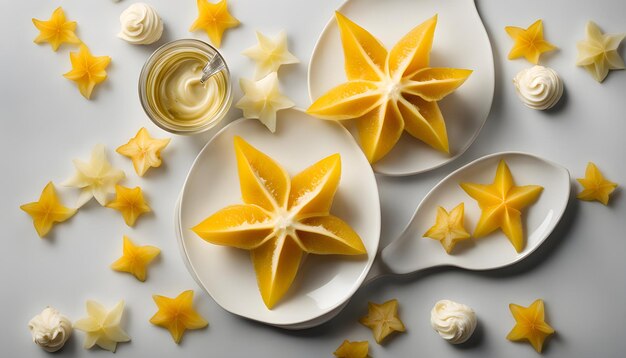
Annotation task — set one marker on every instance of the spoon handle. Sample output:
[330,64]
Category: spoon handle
[214,66]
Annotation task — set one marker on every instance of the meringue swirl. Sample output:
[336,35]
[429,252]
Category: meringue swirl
[455,322]
[141,24]
[50,329]
[539,87]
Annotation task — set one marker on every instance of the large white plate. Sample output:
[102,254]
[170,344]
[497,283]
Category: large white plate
[460,41]
[323,282]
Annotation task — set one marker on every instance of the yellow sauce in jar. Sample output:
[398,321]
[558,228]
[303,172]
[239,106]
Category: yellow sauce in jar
[173,96]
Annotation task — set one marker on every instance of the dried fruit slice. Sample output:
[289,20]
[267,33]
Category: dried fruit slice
[313,189]
[263,182]
[364,55]
[242,226]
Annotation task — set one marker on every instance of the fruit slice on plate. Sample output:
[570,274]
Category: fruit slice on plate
[390,92]
[282,218]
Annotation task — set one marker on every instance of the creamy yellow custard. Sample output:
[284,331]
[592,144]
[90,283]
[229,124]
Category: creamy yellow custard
[172,93]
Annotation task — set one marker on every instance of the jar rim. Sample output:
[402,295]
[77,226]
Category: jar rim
[152,60]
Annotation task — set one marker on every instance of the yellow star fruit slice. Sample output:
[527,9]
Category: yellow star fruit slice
[448,228]
[383,319]
[47,211]
[177,314]
[424,121]
[595,186]
[144,151]
[282,218]
[365,56]
[130,203]
[262,181]
[57,30]
[243,226]
[529,43]
[598,53]
[412,52]
[502,203]
[349,349]
[214,19]
[87,70]
[530,324]
[135,259]
[390,92]
[380,130]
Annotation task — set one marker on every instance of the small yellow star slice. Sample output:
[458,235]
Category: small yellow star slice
[135,259]
[595,186]
[144,151]
[57,30]
[214,19]
[383,319]
[177,314]
[47,211]
[530,324]
[448,228]
[529,43]
[349,349]
[87,70]
[129,202]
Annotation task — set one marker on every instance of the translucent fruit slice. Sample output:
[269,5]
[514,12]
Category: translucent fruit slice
[364,55]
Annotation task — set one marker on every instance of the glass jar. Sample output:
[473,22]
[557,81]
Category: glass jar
[173,94]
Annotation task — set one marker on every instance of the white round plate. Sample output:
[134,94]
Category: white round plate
[323,282]
[460,41]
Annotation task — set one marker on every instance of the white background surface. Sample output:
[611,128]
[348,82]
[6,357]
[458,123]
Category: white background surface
[46,123]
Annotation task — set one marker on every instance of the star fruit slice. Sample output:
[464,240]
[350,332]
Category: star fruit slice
[390,92]
[282,218]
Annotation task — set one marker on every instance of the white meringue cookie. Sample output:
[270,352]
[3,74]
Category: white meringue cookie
[141,24]
[538,87]
[455,322]
[50,329]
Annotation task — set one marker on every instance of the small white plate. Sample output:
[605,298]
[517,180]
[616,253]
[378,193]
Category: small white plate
[460,41]
[323,282]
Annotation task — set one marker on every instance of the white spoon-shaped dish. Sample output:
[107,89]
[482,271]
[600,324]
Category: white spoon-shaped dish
[461,41]
[411,252]
[323,282]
